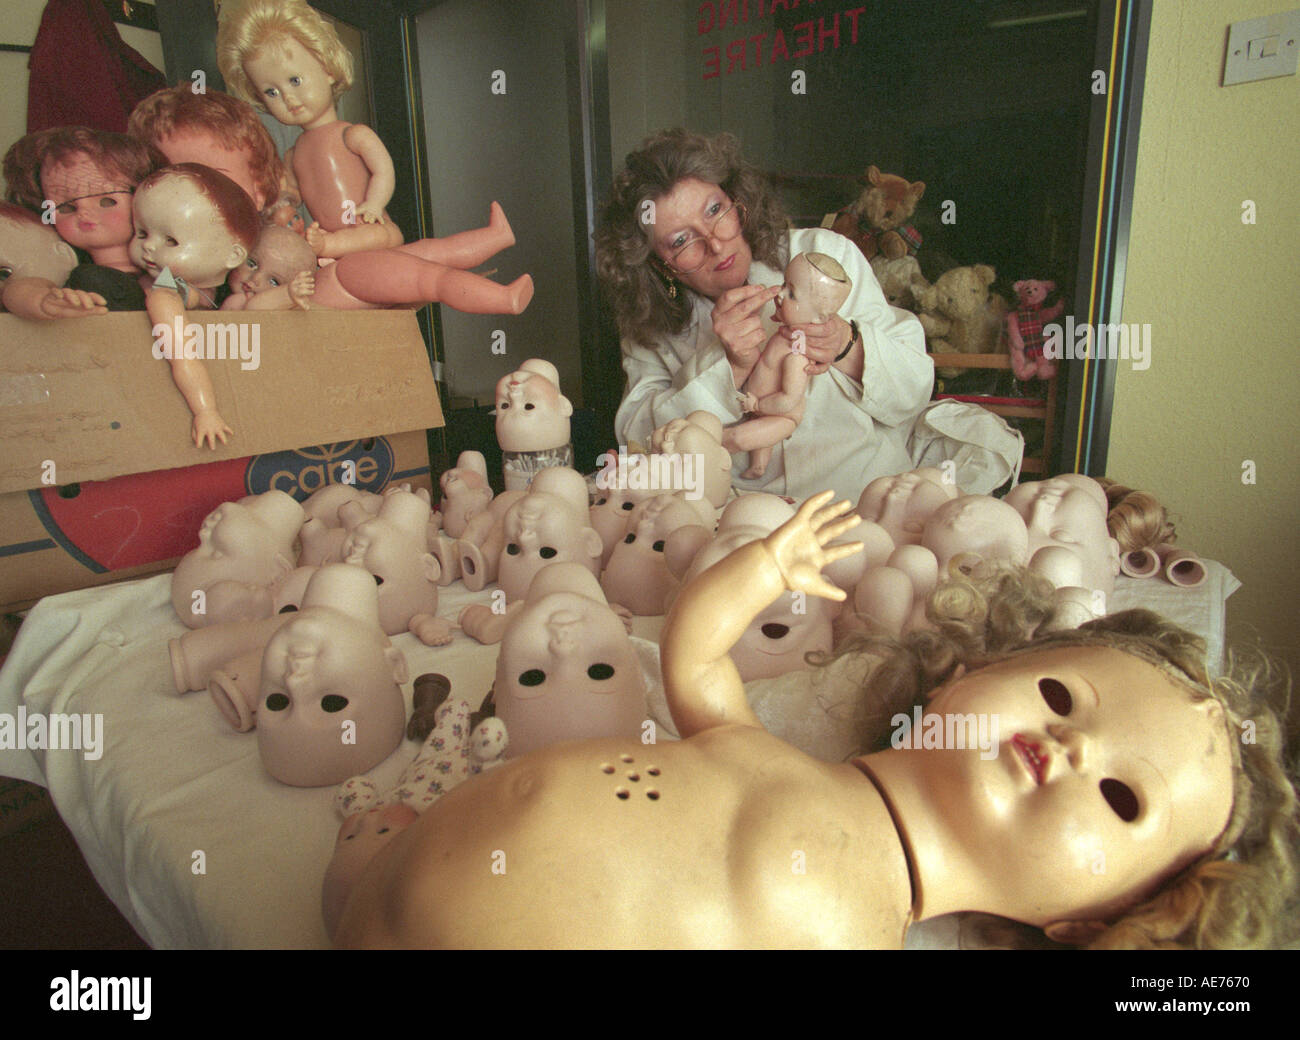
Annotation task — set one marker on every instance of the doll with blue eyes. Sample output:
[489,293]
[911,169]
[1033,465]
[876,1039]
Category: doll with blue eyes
[282,57]
[1118,785]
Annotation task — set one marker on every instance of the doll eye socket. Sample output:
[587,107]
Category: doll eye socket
[629,539]
[628,506]
[171,241]
[275,282]
[600,671]
[107,202]
[1120,797]
[546,552]
[532,677]
[601,501]
[1056,695]
[504,405]
[333,702]
[529,406]
[271,92]
[295,81]
[277,702]
[658,546]
[66,208]
[774,630]
[512,549]
[5,272]
[140,233]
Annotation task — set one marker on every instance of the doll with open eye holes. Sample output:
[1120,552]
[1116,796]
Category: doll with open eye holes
[1115,744]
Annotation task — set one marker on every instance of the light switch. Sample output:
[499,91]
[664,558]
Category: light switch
[1262,48]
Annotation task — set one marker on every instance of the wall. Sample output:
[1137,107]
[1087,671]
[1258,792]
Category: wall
[21,20]
[1224,309]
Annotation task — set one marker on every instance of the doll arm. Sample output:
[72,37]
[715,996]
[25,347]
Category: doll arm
[701,682]
[165,306]
[365,143]
[39,299]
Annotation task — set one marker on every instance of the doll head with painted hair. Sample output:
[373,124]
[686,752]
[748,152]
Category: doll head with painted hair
[247,28]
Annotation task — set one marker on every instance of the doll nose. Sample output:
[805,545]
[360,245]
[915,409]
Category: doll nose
[1077,746]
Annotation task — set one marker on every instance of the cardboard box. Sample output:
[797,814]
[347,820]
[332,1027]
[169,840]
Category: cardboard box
[99,480]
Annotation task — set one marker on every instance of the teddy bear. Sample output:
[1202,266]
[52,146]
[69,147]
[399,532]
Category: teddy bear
[900,280]
[1025,329]
[961,316]
[877,222]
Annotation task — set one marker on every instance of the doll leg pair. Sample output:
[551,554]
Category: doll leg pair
[432,270]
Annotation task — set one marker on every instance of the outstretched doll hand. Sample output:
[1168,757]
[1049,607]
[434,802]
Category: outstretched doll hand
[209,427]
[301,289]
[72,303]
[799,545]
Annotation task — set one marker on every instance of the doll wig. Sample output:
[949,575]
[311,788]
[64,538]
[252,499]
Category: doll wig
[248,27]
[127,158]
[634,279]
[1136,520]
[232,201]
[232,123]
[1239,892]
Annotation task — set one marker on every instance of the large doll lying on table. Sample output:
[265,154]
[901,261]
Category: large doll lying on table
[1104,817]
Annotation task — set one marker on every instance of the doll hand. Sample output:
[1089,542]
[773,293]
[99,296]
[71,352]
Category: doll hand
[301,288]
[209,427]
[799,545]
[430,630]
[748,403]
[317,236]
[72,303]
[369,213]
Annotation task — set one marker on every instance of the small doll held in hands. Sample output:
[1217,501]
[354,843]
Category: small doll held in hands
[193,226]
[776,390]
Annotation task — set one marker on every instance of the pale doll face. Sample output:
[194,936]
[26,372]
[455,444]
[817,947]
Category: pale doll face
[178,227]
[291,82]
[808,296]
[360,838]
[637,576]
[277,257]
[976,524]
[1107,778]
[33,251]
[777,640]
[541,529]
[92,205]
[405,573]
[236,552]
[531,413]
[320,671]
[567,669]
[1064,515]
[689,211]
[200,146]
[901,504]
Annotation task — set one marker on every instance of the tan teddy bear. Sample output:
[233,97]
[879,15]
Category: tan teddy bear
[900,280]
[961,316]
[877,223]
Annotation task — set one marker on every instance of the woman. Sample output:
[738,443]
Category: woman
[691,247]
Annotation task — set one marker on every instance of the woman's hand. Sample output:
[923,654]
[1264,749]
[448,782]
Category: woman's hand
[737,324]
[821,343]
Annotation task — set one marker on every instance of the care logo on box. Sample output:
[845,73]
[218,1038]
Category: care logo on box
[366,464]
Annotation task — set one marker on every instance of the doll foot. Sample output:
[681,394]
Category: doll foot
[498,223]
[521,293]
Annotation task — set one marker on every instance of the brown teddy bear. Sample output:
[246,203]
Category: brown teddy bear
[877,222]
[900,280]
[961,316]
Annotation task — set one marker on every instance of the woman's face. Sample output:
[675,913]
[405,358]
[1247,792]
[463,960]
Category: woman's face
[690,211]
[1107,776]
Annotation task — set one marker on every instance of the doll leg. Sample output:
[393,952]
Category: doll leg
[762,431]
[393,277]
[466,249]
[355,238]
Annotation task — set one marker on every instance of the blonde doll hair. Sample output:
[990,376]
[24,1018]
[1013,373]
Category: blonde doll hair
[1136,519]
[251,25]
[1242,892]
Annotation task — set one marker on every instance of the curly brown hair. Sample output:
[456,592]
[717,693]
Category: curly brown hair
[128,158]
[637,291]
[1240,893]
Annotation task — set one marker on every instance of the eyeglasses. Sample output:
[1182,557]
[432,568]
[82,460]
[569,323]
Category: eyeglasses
[726,225]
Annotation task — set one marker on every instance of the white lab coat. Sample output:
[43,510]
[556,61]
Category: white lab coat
[851,432]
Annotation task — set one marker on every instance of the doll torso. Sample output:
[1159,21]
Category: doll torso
[329,174]
[732,838]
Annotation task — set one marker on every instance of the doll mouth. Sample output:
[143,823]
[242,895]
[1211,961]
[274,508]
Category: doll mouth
[1032,756]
